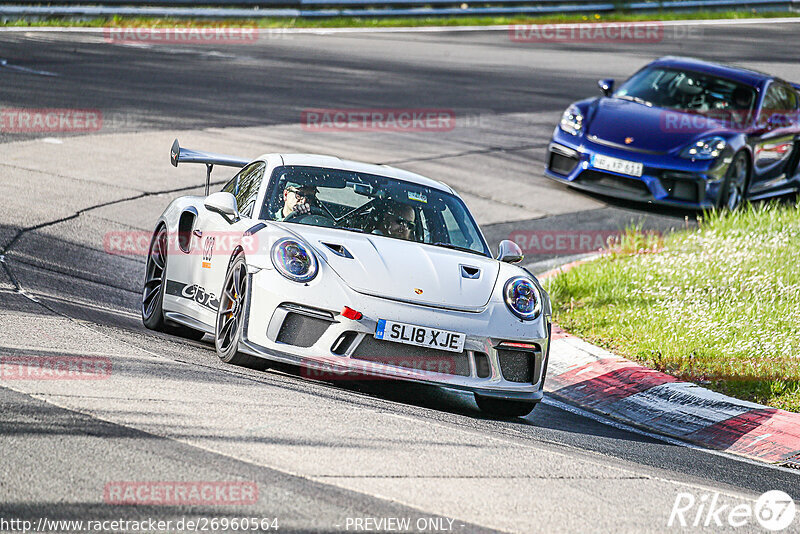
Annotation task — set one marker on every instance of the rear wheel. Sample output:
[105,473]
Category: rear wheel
[735,189]
[231,317]
[504,407]
[155,279]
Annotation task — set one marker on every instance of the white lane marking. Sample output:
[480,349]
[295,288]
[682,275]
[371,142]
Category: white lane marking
[660,437]
[431,29]
[8,66]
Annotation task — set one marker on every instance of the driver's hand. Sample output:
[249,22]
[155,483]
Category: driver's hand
[302,209]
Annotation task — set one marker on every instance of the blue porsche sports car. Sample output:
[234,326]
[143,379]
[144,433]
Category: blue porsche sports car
[683,132]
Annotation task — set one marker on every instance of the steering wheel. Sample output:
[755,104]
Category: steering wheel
[315,216]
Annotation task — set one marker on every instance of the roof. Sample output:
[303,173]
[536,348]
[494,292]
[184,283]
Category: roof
[739,74]
[332,162]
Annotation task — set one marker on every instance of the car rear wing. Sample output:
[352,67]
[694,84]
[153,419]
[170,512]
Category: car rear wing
[185,155]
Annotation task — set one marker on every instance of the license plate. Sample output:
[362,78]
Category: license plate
[622,166]
[421,336]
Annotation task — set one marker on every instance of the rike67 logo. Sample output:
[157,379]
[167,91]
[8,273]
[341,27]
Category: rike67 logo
[773,511]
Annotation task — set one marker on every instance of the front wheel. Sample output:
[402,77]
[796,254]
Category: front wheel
[734,190]
[231,317]
[504,407]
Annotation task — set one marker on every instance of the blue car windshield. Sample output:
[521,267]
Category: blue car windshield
[367,203]
[686,90]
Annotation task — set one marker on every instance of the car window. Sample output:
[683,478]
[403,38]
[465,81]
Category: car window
[247,188]
[687,90]
[459,233]
[244,186]
[372,204]
[779,99]
[230,187]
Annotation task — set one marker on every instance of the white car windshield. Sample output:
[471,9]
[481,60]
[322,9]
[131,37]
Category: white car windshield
[372,204]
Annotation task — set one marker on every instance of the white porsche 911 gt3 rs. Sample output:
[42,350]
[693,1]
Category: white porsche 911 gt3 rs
[348,268]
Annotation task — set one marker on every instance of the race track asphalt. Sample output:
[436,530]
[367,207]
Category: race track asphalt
[320,453]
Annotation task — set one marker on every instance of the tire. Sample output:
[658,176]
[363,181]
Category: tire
[229,324]
[734,191]
[154,287]
[504,407]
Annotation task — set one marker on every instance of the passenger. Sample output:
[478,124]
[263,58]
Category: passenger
[398,220]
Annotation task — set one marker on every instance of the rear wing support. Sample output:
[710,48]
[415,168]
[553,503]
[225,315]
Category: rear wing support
[185,155]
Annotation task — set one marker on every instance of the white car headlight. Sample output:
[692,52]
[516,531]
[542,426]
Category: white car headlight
[522,298]
[294,260]
[708,148]
[571,121]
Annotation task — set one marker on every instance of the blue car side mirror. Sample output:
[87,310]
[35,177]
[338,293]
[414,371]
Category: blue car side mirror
[606,86]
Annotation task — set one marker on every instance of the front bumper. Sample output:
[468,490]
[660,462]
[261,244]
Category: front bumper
[298,325]
[666,180]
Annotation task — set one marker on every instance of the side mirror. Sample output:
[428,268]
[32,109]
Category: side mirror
[509,252]
[606,86]
[222,203]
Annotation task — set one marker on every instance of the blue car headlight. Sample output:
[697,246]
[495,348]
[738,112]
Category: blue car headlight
[522,298]
[294,260]
[707,148]
[571,121]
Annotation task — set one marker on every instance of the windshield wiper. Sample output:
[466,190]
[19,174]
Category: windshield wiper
[637,100]
[456,247]
[349,229]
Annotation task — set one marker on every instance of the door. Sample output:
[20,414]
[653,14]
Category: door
[776,147]
[219,238]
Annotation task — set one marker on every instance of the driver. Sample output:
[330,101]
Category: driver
[398,220]
[297,199]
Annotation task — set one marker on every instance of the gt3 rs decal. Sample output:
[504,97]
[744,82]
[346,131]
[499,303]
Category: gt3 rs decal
[193,292]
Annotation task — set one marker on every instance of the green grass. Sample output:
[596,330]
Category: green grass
[719,305]
[389,22]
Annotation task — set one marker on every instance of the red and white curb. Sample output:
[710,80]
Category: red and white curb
[594,379]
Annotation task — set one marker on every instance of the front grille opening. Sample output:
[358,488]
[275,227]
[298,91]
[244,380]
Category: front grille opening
[301,330]
[620,183]
[411,357]
[681,189]
[520,366]
[343,343]
[561,164]
[482,368]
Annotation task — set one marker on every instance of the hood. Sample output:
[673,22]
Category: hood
[652,129]
[403,270]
